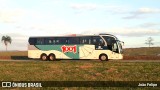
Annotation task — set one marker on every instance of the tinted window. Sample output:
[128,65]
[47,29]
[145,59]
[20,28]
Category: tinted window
[50,41]
[85,40]
[96,40]
[73,40]
[61,40]
[32,41]
[40,41]
[109,40]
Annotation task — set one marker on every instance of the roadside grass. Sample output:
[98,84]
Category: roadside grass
[154,51]
[79,71]
[70,70]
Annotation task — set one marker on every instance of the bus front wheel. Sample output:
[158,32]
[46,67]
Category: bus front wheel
[103,57]
[44,57]
[52,57]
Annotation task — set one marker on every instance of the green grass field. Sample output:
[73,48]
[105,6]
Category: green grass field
[65,70]
[79,70]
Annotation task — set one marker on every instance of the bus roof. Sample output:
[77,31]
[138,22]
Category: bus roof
[73,35]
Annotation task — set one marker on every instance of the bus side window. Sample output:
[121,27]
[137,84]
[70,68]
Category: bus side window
[61,40]
[101,42]
[85,40]
[50,41]
[57,41]
[96,40]
[32,41]
[90,41]
[73,40]
[81,40]
[40,41]
[54,41]
[47,41]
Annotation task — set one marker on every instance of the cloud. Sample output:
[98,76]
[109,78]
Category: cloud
[134,32]
[147,11]
[92,6]
[142,11]
[11,15]
[131,32]
[3,3]
[117,9]
[88,6]
[149,25]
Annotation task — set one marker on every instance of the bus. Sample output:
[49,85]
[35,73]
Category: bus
[100,47]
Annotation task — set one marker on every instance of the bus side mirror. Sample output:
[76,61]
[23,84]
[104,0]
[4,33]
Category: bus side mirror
[122,43]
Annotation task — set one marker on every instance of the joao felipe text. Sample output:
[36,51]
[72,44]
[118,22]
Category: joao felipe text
[147,85]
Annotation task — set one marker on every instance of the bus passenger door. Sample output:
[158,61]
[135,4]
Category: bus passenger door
[115,51]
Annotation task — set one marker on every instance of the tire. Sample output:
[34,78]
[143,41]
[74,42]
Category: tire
[103,57]
[44,57]
[52,57]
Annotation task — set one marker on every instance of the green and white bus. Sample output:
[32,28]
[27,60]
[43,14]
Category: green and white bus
[102,47]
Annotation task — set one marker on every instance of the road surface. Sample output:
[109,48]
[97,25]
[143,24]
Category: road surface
[31,60]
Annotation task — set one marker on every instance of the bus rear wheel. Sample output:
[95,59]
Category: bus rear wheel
[52,57]
[103,57]
[43,57]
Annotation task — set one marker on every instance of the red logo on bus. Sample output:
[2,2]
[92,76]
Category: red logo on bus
[69,49]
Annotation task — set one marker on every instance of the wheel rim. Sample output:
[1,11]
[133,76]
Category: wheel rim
[44,58]
[103,57]
[51,58]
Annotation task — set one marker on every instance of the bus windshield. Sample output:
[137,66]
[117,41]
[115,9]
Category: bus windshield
[113,40]
[109,39]
[120,47]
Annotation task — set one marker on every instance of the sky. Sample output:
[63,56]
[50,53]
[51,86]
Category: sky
[132,21]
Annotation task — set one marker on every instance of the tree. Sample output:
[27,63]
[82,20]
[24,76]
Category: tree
[149,41]
[6,39]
